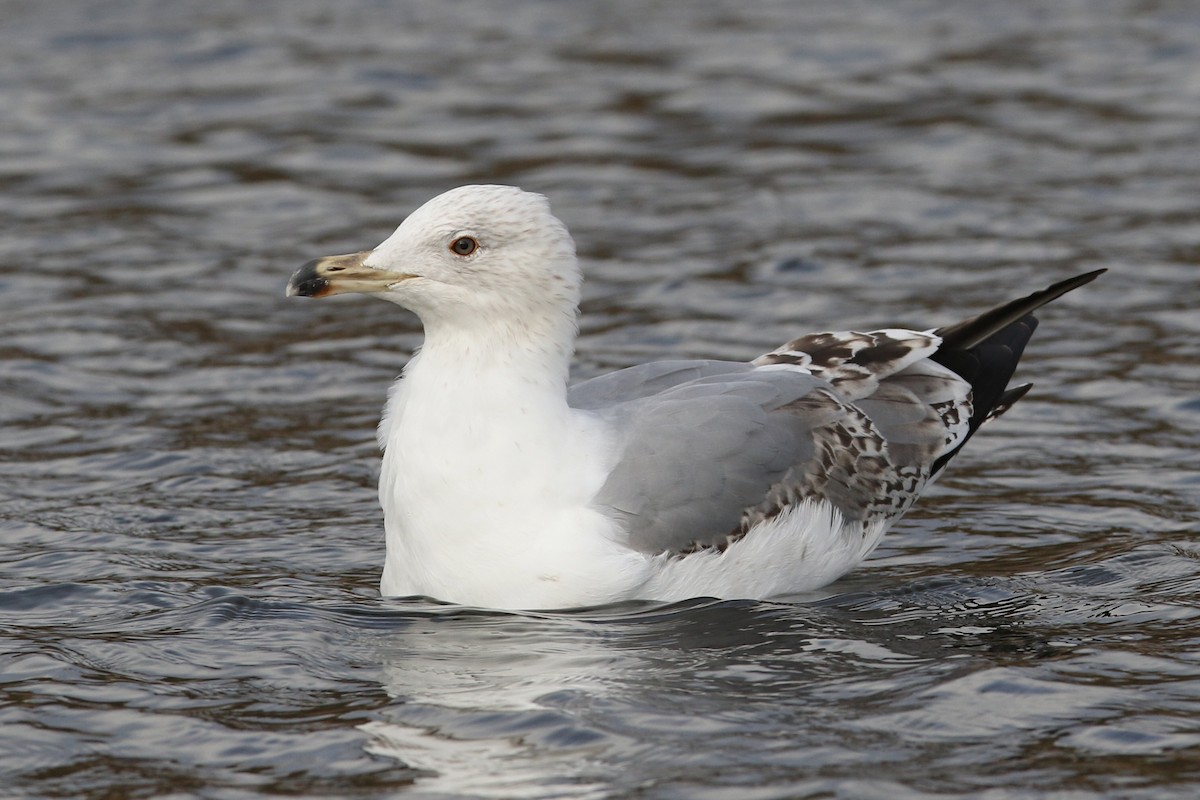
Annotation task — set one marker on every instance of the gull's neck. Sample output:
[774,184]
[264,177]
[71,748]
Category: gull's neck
[530,354]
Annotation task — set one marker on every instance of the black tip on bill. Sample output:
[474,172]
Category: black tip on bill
[306,282]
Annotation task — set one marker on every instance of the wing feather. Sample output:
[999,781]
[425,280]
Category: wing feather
[707,449]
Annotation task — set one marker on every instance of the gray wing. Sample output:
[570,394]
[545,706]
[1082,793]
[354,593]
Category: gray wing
[645,380]
[696,455]
[708,448]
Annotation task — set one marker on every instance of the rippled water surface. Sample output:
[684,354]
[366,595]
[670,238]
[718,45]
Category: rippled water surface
[189,535]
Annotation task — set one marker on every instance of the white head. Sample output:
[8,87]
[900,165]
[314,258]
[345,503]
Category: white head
[490,253]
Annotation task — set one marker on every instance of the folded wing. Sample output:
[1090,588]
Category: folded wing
[862,421]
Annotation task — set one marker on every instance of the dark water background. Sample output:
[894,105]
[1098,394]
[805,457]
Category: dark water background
[189,535]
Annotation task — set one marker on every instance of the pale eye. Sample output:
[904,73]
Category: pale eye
[464,246]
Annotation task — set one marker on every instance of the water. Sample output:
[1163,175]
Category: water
[189,536]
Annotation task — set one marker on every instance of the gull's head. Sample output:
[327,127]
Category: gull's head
[470,251]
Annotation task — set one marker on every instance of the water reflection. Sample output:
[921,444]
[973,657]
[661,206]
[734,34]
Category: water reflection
[486,705]
[593,704]
[572,705]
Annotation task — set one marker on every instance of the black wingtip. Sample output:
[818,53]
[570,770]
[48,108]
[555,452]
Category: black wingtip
[1008,399]
[984,351]
[971,332]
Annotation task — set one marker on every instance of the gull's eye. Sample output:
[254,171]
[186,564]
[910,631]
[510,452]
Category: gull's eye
[464,246]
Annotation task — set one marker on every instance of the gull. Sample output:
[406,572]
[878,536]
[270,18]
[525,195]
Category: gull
[503,487]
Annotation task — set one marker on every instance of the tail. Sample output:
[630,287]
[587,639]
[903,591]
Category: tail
[984,351]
